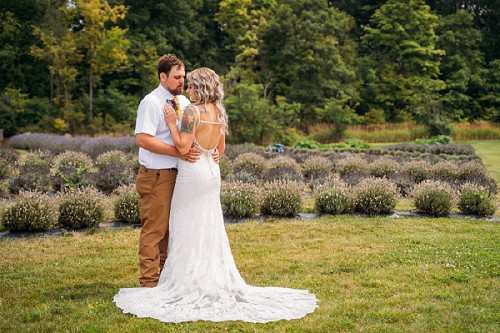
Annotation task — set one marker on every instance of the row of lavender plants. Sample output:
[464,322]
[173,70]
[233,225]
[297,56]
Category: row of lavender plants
[82,207]
[371,196]
[284,178]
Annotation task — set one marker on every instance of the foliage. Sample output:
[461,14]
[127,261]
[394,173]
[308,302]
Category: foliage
[127,204]
[58,143]
[318,167]
[283,168]
[383,167]
[113,169]
[474,199]
[445,170]
[240,199]
[307,144]
[375,196]
[402,61]
[250,164]
[287,66]
[33,173]
[281,198]
[418,170]
[442,139]
[80,208]
[31,211]
[71,169]
[334,197]
[433,197]
[352,164]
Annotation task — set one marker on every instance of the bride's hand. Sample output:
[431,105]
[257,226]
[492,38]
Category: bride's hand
[170,115]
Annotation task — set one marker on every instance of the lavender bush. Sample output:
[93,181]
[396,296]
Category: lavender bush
[114,168]
[32,173]
[283,168]
[418,170]
[352,165]
[70,169]
[335,197]
[127,204]
[239,199]
[433,197]
[281,198]
[375,196]
[383,167]
[316,168]
[80,208]
[474,199]
[248,167]
[31,211]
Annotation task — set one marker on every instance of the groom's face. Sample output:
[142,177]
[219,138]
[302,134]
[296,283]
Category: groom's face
[174,81]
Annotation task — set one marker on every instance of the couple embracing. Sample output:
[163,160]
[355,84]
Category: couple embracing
[187,269]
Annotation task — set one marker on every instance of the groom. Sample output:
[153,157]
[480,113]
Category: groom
[158,158]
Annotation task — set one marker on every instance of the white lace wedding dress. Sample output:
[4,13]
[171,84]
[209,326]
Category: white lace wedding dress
[200,280]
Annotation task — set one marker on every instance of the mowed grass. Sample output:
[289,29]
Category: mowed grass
[369,274]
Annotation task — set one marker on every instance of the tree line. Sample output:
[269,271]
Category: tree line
[81,66]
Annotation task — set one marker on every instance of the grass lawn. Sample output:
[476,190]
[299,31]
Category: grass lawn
[369,274]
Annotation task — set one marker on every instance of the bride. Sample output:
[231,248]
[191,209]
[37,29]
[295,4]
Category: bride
[200,280]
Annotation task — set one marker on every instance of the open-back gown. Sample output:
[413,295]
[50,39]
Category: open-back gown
[200,280]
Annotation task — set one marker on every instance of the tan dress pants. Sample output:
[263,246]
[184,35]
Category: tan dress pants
[155,188]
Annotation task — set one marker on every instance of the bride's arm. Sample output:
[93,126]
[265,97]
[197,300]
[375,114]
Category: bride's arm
[183,140]
[222,144]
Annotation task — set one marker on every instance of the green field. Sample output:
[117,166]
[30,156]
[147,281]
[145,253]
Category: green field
[370,275]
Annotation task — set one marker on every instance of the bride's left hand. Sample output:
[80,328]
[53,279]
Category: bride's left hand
[170,115]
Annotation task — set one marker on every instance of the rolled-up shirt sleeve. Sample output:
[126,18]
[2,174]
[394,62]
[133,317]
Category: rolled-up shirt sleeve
[147,118]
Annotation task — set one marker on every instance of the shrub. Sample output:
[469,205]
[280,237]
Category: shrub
[335,197]
[281,198]
[471,169]
[433,197]
[474,199]
[375,196]
[31,211]
[9,155]
[80,208]
[441,139]
[383,167]
[352,164]
[283,168]
[113,169]
[239,199]
[33,173]
[71,169]
[445,171]
[418,170]
[307,144]
[248,167]
[127,204]
[317,167]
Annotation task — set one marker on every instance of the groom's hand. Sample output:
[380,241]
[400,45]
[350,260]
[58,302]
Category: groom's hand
[192,156]
[216,156]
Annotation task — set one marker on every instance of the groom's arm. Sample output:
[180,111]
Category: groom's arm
[155,145]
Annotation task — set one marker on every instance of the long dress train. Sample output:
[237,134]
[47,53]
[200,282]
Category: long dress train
[200,280]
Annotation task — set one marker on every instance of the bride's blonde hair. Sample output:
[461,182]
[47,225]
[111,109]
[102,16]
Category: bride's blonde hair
[209,89]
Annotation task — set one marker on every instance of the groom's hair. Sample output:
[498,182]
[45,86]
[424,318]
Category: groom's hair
[166,62]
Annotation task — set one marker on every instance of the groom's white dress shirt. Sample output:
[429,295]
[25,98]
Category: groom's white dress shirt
[150,120]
